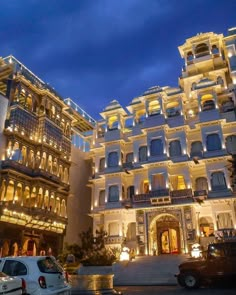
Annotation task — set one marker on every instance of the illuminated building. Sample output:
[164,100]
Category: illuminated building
[161,172]
[36,125]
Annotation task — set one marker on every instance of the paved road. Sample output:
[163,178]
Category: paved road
[176,290]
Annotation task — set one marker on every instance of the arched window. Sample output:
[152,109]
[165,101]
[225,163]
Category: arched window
[173,109]
[154,108]
[201,50]
[207,102]
[113,195]
[10,191]
[189,56]
[101,164]
[113,159]
[214,49]
[218,181]
[156,147]
[143,154]
[201,184]
[40,198]
[175,148]
[33,197]
[196,149]
[49,168]
[213,142]
[43,161]
[113,123]
[231,144]
[101,201]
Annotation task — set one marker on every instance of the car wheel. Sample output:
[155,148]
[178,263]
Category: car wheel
[191,280]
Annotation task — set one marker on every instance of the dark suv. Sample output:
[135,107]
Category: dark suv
[217,265]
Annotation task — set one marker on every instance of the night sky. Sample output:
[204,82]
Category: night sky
[94,51]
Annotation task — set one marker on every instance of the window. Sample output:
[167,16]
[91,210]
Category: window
[156,147]
[213,142]
[49,265]
[189,56]
[196,149]
[145,187]
[218,181]
[143,154]
[131,232]
[158,182]
[14,268]
[231,144]
[113,193]
[113,229]
[175,148]
[130,192]
[224,220]
[201,184]
[220,81]
[214,49]
[113,159]
[101,201]
[113,123]
[173,109]
[154,108]
[102,165]
[129,157]
[178,182]
[201,50]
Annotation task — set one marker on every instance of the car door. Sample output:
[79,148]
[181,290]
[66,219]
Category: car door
[232,258]
[218,262]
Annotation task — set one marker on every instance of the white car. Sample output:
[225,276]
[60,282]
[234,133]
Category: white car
[42,275]
[9,285]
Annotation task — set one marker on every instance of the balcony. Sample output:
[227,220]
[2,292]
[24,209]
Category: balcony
[217,153]
[181,194]
[18,167]
[209,115]
[153,121]
[175,121]
[23,212]
[220,192]
[10,164]
[113,240]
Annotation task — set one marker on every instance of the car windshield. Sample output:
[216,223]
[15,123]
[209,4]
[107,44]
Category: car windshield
[49,265]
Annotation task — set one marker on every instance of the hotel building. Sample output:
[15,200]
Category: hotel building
[38,133]
[161,170]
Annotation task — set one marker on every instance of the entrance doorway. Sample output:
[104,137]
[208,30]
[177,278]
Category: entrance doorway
[168,235]
[169,241]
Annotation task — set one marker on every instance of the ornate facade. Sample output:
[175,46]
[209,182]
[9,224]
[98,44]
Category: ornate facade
[161,178]
[36,131]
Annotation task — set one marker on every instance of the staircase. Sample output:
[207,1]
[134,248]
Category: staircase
[148,270]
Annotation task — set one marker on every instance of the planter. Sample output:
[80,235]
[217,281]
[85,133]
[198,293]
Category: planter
[93,280]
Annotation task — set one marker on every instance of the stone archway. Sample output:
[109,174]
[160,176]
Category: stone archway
[165,235]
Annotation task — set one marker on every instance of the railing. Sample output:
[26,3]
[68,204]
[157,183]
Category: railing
[181,194]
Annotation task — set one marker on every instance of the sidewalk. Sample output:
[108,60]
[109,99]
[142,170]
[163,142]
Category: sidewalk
[148,270]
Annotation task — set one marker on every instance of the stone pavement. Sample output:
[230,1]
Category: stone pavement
[148,270]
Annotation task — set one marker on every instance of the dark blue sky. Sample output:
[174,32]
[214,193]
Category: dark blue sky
[94,51]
